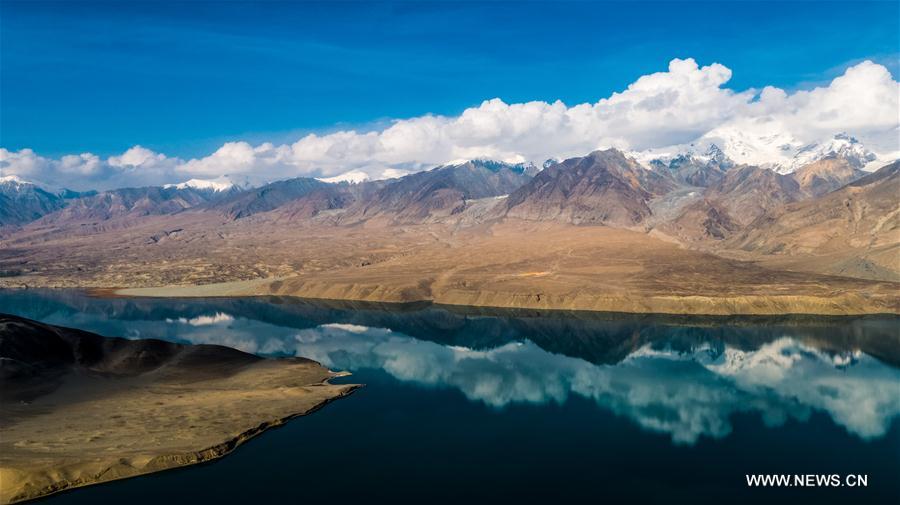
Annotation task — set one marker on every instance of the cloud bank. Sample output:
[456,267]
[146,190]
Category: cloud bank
[684,104]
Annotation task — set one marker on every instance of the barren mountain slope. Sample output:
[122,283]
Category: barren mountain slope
[747,192]
[604,187]
[438,193]
[739,197]
[826,175]
[127,202]
[22,202]
[704,220]
[852,231]
[274,195]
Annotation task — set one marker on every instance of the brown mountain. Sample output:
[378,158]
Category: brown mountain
[702,171]
[826,175]
[746,192]
[853,231]
[274,195]
[441,192]
[22,202]
[433,231]
[128,203]
[705,219]
[690,171]
[329,203]
[603,187]
[743,194]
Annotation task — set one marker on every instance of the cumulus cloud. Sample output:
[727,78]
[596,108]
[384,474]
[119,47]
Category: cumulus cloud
[137,166]
[684,104]
[137,156]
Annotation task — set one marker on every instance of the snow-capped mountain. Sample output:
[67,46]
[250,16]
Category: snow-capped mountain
[352,177]
[13,180]
[22,201]
[693,166]
[526,168]
[727,146]
[214,185]
[840,146]
[673,157]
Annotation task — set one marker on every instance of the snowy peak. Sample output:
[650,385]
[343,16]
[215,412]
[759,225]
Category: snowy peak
[22,202]
[841,146]
[696,164]
[351,177]
[784,153]
[727,146]
[715,156]
[12,179]
[215,186]
[526,168]
[700,153]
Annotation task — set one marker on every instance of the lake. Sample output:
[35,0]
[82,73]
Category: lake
[523,406]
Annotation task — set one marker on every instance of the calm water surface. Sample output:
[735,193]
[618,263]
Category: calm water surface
[462,405]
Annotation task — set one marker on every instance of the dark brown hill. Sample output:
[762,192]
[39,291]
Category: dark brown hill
[603,187]
[442,191]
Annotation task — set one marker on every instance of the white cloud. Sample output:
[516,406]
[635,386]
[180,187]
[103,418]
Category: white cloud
[217,318]
[137,156]
[686,103]
[135,167]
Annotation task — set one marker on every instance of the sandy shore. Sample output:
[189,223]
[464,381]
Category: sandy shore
[829,303]
[80,409]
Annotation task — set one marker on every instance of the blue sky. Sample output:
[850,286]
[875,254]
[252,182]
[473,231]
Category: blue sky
[182,78]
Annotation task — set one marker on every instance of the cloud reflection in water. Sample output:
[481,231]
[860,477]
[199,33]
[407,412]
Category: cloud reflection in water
[684,393]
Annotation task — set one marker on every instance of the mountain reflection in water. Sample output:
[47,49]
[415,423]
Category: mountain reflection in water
[683,376]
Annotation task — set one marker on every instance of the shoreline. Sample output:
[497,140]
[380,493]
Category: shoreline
[186,460]
[843,304]
[74,403]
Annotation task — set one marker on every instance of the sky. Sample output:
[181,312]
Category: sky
[248,81]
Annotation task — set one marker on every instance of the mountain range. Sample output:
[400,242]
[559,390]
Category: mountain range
[826,217]
[776,150]
[22,202]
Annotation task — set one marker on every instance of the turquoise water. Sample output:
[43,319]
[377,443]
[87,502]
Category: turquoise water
[524,406]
